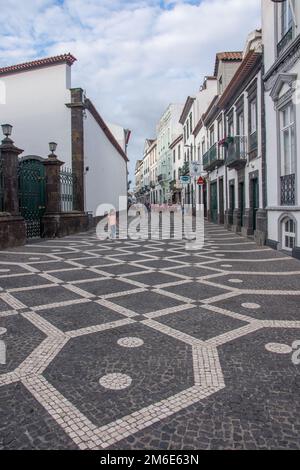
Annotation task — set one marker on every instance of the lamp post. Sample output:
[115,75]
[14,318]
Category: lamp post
[7,130]
[53,189]
[52,148]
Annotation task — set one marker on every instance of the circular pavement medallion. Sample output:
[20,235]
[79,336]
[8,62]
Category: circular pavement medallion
[115,381]
[251,306]
[2,331]
[278,348]
[130,342]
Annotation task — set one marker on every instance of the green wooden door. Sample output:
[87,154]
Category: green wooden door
[32,194]
[242,202]
[214,202]
[1,185]
[255,199]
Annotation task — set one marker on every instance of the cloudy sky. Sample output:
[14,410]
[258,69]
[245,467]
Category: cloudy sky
[134,56]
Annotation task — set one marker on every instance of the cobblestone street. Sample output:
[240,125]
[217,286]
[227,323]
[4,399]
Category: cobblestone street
[144,345]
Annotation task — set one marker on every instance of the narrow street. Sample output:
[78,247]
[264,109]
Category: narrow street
[143,345]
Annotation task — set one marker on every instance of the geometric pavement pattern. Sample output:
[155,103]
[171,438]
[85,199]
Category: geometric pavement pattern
[144,345]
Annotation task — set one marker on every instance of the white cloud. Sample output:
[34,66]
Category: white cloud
[134,57]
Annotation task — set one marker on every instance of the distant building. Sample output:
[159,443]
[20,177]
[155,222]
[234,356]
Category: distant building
[138,175]
[168,128]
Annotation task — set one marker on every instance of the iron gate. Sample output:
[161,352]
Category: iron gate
[31,176]
[1,185]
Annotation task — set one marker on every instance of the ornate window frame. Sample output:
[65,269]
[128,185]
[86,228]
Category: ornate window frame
[281,102]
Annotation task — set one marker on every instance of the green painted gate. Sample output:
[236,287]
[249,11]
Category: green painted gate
[214,202]
[242,202]
[1,185]
[32,194]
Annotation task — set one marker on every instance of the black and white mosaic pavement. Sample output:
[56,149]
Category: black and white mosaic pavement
[144,345]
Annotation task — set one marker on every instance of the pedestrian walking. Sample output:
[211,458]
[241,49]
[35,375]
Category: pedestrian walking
[112,224]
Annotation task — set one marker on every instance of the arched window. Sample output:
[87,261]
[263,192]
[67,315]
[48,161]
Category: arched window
[288,234]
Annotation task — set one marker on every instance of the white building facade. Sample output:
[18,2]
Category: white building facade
[39,102]
[281,40]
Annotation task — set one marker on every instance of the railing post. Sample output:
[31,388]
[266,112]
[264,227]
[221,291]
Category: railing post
[9,155]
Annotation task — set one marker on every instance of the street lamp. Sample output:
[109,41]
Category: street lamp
[7,129]
[52,147]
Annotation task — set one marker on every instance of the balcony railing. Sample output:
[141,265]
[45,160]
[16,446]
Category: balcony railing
[287,38]
[213,158]
[237,152]
[287,190]
[253,142]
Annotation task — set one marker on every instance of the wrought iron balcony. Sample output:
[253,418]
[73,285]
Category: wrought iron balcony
[287,38]
[213,158]
[287,190]
[237,152]
[253,142]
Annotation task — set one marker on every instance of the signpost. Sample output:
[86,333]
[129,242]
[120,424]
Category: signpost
[185,179]
[195,169]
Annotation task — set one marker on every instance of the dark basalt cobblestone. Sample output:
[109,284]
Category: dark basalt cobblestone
[201,323]
[25,425]
[77,325]
[158,369]
[258,409]
[21,338]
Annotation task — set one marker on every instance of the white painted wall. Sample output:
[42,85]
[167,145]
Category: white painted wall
[119,134]
[35,105]
[106,179]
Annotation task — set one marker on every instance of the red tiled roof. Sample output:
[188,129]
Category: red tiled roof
[227,56]
[36,64]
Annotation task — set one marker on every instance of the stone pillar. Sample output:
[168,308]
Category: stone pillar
[247,228]
[77,107]
[9,155]
[228,219]
[12,225]
[55,222]
[52,170]
[237,217]
[260,234]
